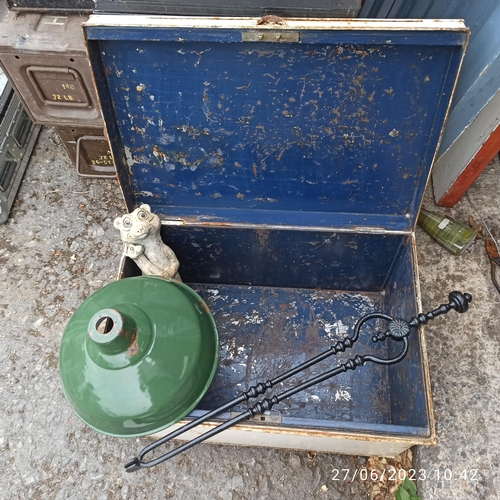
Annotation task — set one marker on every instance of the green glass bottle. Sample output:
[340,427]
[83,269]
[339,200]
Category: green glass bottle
[449,233]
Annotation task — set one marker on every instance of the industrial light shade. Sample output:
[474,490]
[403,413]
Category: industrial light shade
[138,355]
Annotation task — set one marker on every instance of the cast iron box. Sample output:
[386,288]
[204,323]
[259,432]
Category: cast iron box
[288,163]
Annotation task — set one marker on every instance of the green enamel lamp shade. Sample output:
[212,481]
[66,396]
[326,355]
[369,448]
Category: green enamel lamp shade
[138,355]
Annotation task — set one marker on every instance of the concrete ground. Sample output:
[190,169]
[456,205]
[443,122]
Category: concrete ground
[59,246]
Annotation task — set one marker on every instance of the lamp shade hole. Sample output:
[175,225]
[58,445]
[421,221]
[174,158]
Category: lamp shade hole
[104,325]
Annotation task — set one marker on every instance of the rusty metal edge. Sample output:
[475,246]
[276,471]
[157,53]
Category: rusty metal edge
[325,434]
[432,440]
[198,222]
[96,20]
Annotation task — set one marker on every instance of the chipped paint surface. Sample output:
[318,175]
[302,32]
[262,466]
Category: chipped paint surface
[265,331]
[342,395]
[312,127]
[133,348]
[129,157]
[336,329]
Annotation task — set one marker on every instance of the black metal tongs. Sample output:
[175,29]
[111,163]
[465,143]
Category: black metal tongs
[398,330]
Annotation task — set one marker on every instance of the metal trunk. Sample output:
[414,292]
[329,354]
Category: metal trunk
[288,163]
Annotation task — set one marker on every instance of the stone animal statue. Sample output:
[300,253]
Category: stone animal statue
[140,231]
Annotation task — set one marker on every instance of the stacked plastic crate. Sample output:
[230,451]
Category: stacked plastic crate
[17,138]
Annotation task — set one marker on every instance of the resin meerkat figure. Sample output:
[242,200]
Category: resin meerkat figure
[140,231]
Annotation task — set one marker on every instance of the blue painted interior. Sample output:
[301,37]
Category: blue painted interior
[263,333]
[342,124]
[276,301]
[406,379]
[284,258]
[480,75]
